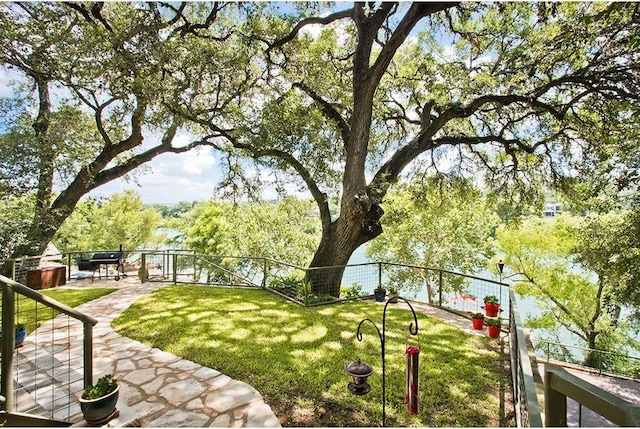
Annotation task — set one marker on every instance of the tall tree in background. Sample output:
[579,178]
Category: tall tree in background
[505,92]
[286,230]
[569,257]
[116,66]
[440,223]
[120,220]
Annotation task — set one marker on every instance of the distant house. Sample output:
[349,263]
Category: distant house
[552,209]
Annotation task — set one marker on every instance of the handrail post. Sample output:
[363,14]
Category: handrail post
[379,275]
[194,266]
[555,404]
[88,354]
[264,273]
[175,267]
[440,288]
[8,345]
[143,268]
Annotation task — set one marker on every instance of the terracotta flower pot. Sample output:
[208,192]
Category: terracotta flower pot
[491,309]
[493,331]
[478,324]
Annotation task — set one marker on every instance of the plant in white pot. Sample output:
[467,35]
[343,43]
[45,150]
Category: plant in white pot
[98,402]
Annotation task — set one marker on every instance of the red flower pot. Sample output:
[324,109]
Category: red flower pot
[491,309]
[478,324]
[493,331]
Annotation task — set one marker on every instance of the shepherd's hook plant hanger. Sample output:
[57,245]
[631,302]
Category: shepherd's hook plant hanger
[413,330]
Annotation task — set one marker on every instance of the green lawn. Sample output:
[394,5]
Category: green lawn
[32,316]
[295,356]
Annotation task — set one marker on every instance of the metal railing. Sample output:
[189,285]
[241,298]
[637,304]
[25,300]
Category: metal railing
[559,384]
[524,385]
[452,291]
[33,378]
[599,360]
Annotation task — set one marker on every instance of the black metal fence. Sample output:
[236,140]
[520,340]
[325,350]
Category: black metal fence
[599,360]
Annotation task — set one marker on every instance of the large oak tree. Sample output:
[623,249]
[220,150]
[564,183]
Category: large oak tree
[116,69]
[508,93]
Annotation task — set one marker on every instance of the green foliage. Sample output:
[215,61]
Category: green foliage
[105,385]
[286,230]
[104,226]
[493,321]
[295,356]
[353,291]
[288,285]
[442,223]
[491,299]
[15,219]
[477,315]
[567,257]
[303,292]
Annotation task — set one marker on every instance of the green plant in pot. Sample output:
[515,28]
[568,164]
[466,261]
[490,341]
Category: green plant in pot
[379,293]
[98,402]
[393,295]
[478,320]
[491,305]
[493,326]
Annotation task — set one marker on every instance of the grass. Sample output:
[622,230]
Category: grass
[295,356]
[33,315]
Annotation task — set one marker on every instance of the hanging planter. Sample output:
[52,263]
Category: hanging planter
[491,306]
[478,321]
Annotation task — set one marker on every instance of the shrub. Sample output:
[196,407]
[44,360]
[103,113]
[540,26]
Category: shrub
[354,291]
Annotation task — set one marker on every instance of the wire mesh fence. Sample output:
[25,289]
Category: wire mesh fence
[47,368]
[603,361]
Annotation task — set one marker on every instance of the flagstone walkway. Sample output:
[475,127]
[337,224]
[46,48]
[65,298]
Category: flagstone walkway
[161,388]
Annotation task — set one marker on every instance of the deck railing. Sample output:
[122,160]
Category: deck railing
[559,385]
[33,379]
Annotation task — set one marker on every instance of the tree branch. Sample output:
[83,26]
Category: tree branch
[328,110]
[308,21]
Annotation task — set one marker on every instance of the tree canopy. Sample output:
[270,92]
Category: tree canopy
[105,79]
[343,102]
[438,223]
[571,257]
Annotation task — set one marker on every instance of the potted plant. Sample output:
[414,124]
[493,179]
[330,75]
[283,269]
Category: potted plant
[493,327]
[20,335]
[393,295]
[379,293]
[491,305]
[98,402]
[478,320]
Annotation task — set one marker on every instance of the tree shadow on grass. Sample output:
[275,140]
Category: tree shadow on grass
[295,356]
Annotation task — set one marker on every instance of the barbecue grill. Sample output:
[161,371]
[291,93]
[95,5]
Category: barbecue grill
[115,258]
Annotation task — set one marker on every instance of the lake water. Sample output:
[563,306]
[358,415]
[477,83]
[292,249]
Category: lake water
[526,306]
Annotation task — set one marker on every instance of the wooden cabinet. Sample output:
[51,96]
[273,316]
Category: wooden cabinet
[48,277]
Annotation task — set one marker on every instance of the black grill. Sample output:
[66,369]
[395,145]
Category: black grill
[115,258]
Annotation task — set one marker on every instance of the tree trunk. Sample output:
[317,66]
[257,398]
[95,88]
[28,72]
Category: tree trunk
[338,243]
[592,359]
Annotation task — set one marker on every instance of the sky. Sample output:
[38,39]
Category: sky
[167,179]
[170,178]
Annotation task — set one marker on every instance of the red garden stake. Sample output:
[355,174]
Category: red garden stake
[411,397]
